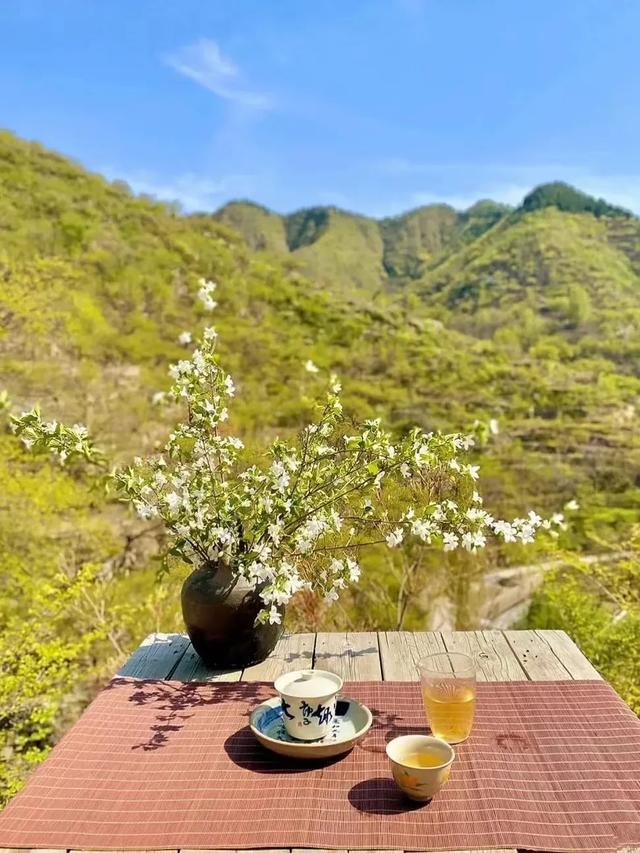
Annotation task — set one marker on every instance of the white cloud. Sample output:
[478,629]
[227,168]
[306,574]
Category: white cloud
[508,194]
[204,63]
[194,192]
[503,183]
[334,198]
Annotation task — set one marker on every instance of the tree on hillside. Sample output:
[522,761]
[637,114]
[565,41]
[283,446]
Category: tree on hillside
[579,307]
[598,604]
[568,198]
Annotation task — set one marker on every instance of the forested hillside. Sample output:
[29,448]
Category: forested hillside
[436,318]
[354,255]
[549,293]
[328,242]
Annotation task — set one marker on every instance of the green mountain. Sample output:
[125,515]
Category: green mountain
[333,246]
[414,239]
[565,197]
[357,255]
[577,274]
[262,229]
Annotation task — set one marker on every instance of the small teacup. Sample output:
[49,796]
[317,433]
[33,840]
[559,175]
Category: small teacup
[420,782]
[308,702]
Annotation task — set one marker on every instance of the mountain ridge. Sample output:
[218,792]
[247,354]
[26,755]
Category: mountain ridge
[558,194]
[395,249]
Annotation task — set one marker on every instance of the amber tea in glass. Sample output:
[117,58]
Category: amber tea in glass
[449,694]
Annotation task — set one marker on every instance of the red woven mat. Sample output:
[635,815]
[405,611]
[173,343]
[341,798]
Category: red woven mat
[151,765]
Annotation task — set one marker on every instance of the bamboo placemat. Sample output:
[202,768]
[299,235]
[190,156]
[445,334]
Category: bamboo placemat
[159,764]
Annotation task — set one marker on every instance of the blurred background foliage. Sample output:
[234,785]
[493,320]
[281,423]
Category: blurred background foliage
[436,318]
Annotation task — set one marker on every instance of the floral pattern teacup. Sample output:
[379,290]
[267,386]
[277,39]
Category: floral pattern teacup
[308,699]
[420,783]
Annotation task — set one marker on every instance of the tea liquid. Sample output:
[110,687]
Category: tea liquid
[450,711]
[423,759]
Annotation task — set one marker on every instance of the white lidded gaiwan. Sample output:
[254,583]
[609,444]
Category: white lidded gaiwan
[308,699]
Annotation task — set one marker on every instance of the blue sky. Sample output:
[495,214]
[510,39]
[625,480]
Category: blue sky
[373,105]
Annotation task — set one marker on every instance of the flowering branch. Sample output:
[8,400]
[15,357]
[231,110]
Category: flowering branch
[65,443]
[299,520]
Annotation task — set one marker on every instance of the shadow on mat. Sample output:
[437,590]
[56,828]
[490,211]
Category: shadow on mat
[245,751]
[381,795]
[174,700]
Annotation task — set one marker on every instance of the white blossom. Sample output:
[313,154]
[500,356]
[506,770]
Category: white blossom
[205,294]
[354,570]
[275,617]
[475,514]
[310,367]
[184,338]
[174,501]
[275,532]
[395,537]
[463,442]
[526,533]
[505,530]
[450,541]
[145,510]
[422,529]
[472,541]
[281,476]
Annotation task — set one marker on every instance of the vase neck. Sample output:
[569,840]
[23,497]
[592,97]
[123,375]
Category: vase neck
[222,572]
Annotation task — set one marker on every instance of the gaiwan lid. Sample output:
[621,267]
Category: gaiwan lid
[308,683]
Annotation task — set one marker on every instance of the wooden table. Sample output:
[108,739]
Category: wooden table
[370,656]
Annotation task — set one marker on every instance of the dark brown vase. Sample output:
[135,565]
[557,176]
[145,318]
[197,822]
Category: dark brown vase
[219,611]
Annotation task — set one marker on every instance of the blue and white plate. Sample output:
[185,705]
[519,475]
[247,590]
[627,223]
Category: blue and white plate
[352,722]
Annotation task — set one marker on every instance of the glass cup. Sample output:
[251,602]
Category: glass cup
[449,694]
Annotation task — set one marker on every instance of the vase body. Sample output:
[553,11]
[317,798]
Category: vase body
[219,611]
